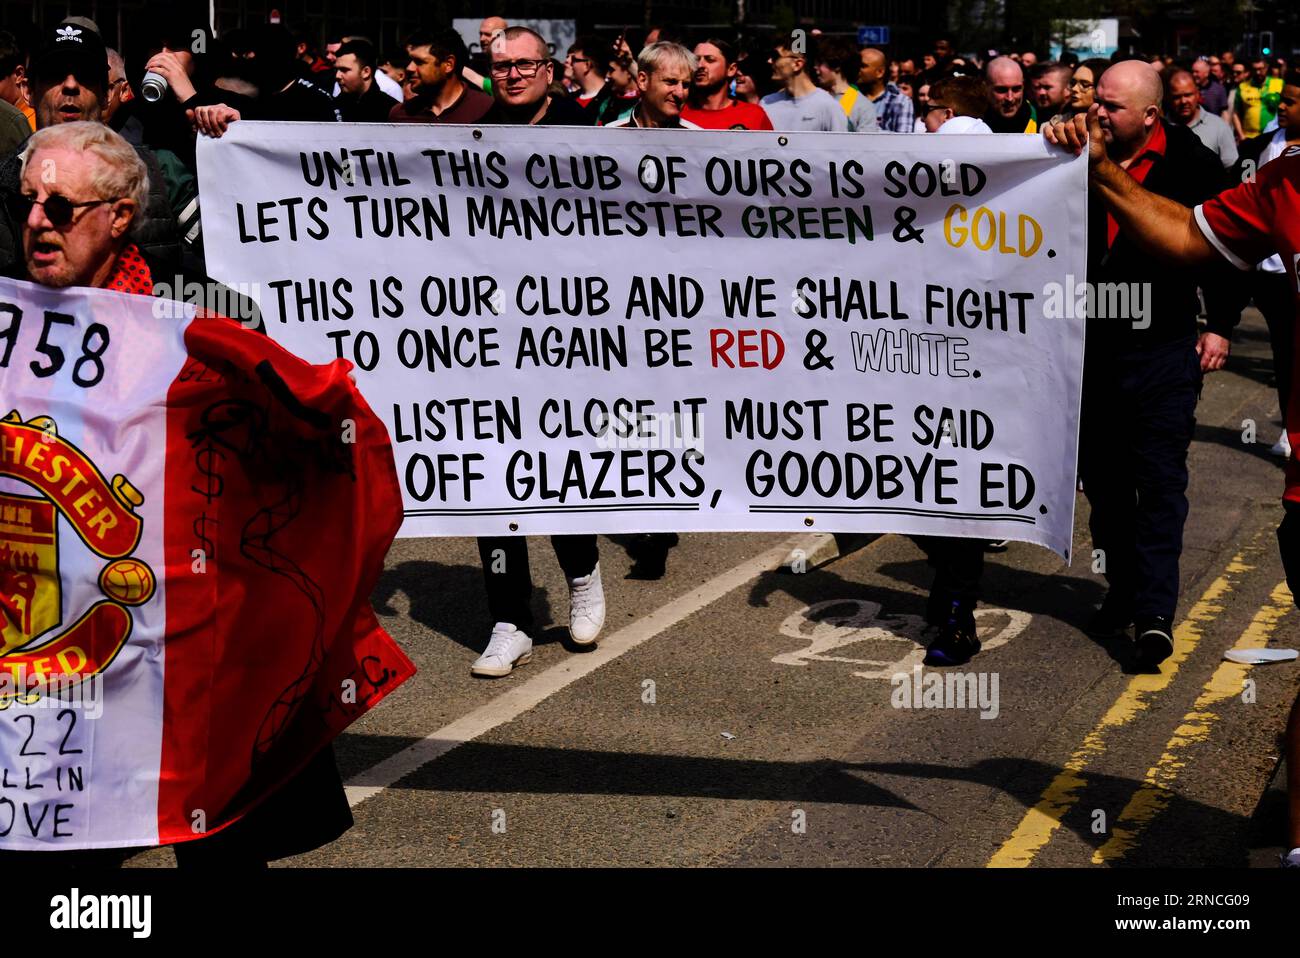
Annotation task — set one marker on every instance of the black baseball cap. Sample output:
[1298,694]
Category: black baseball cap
[72,49]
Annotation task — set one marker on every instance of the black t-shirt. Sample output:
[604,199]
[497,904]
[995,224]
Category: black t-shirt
[1015,124]
[301,100]
[592,108]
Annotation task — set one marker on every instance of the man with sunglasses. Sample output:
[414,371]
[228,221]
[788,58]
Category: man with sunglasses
[522,74]
[77,228]
[800,104]
[436,58]
[957,104]
[80,231]
[1239,74]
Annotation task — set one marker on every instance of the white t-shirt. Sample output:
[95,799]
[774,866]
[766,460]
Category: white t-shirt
[816,110]
[964,124]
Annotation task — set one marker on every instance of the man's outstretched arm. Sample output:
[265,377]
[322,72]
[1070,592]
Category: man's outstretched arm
[1164,227]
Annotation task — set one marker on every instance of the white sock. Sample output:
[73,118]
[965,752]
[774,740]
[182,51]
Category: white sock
[1292,858]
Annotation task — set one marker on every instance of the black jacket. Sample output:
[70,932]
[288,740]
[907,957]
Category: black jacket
[1190,173]
[373,106]
[1251,149]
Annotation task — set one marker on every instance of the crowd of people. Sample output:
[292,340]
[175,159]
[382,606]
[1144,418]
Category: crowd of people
[1193,165]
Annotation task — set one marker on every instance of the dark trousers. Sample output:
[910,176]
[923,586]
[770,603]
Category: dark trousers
[1139,411]
[306,812]
[958,565]
[1274,298]
[509,581]
[1288,541]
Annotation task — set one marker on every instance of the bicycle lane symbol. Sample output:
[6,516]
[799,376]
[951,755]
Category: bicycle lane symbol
[825,632]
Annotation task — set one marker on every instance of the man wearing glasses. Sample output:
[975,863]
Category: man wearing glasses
[82,231]
[522,73]
[434,70]
[956,105]
[586,66]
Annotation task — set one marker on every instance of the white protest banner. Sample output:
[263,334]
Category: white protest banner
[617,330]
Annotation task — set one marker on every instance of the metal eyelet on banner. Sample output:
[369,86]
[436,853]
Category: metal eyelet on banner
[782,141]
[478,134]
[514,527]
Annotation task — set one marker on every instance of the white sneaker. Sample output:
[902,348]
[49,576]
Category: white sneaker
[1281,448]
[507,648]
[586,607]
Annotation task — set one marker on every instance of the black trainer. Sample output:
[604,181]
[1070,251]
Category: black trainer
[1155,642]
[649,552]
[954,645]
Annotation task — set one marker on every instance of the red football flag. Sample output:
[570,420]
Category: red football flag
[191,523]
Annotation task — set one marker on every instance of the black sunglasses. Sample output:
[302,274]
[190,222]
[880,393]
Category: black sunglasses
[59,210]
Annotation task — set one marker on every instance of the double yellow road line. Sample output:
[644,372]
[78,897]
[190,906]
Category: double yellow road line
[1041,822]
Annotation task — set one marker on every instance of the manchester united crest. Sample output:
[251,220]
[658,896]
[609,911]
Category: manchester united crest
[33,647]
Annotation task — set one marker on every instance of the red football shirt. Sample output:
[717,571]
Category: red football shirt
[738,116]
[1250,222]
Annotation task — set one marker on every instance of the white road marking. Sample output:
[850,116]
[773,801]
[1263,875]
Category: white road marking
[826,633]
[518,700]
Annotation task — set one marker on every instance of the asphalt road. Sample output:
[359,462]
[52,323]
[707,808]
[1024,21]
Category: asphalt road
[737,714]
